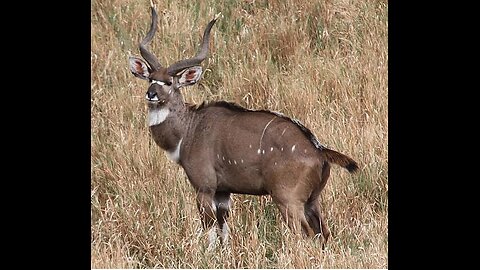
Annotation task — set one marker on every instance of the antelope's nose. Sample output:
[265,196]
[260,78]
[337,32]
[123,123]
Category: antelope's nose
[152,96]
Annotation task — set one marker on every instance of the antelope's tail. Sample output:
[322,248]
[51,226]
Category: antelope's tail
[340,159]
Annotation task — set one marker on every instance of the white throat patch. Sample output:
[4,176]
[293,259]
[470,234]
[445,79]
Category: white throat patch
[156,117]
[175,154]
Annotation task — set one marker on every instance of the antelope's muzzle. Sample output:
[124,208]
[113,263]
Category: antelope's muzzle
[151,96]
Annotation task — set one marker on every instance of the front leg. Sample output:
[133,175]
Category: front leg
[208,211]
[222,203]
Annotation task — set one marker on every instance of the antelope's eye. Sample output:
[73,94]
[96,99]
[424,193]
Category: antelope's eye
[162,101]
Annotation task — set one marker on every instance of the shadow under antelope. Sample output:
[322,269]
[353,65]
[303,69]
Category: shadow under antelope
[225,148]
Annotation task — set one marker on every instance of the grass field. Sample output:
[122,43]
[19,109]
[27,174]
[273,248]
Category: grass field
[322,62]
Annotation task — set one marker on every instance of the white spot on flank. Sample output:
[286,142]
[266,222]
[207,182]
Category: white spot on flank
[271,149]
[156,117]
[175,154]
[293,148]
[258,152]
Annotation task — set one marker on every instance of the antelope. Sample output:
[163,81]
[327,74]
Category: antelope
[225,148]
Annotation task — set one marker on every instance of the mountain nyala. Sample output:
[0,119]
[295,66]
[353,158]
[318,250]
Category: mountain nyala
[227,149]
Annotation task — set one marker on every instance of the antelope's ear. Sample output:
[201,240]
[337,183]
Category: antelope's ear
[139,68]
[190,76]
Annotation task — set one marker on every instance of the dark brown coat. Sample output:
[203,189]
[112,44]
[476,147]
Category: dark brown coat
[225,148]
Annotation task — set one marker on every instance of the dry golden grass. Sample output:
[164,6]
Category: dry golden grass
[323,62]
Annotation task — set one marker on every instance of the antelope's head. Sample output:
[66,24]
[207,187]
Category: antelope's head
[165,82]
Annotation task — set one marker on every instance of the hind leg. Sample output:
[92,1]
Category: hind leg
[315,219]
[312,207]
[292,211]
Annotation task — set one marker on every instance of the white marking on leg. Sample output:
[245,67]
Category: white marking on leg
[224,233]
[271,149]
[212,237]
[293,148]
[175,154]
[156,117]
[214,207]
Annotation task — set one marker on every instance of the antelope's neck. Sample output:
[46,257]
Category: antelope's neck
[169,128]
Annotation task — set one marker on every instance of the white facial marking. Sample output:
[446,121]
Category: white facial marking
[258,152]
[293,148]
[271,149]
[175,154]
[156,117]
[158,82]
